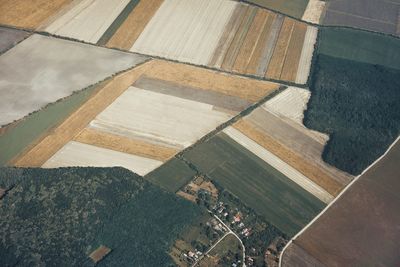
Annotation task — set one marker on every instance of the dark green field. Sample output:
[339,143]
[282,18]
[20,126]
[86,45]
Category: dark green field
[358,104]
[172,175]
[15,140]
[361,46]
[258,185]
[58,217]
[294,8]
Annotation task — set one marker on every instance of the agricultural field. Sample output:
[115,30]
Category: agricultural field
[293,8]
[357,105]
[360,46]
[143,117]
[20,14]
[255,182]
[374,15]
[73,212]
[10,37]
[355,226]
[41,70]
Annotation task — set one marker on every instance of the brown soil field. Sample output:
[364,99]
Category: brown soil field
[307,168]
[127,34]
[186,196]
[237,42]
[2,192]
[124,144]
[66,131]
[31,15]
[249,89]
[254,61]
[275,66]
[250,43]
[99,253]
[291,64]
[227,36]
[362,227]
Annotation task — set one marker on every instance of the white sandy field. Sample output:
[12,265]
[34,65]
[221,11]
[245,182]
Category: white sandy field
[41,70]
[313,11]
[159,117]
[88,19]
[306,55]
[279,165]
[185,30]
[83,155]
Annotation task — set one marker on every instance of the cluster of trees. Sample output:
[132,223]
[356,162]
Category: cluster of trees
[358,105]
[62,215]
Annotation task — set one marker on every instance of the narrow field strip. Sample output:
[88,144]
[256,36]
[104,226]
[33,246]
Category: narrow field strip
[127,34]
[125,145]
[83,155]
[88,20]
[276,64]
[307,168]
[279,165]
[58,137]
[306,55]
[314,10]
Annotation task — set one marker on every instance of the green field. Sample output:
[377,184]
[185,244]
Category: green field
[360,46]
[358,104]
[57,217]
[294,8]
[15,140]
[258,185]
[172,175]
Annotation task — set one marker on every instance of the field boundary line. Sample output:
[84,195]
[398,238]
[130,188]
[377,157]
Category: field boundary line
[336,199]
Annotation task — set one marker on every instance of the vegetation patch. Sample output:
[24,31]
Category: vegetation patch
[58,217]
[358,105]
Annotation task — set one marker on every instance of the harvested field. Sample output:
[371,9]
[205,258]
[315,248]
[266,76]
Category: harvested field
[306,56]
[248,89]
[10,37]
[296,139]
[20,14]
[83,155]
[34,73]
[294,8]
[272,195]
[99,253]
[375,15]
[88,19]
[307,168]
[360,46]
[78,120]
[132,27]
[361,227]
[191,35]
[172,175]
[275,66]
[314,10]
[125,145]
[279,165]
[163,118]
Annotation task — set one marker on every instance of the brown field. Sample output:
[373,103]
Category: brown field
[251,41]
[308,169]
[30,15]
[362,227]
[249,89]
[2,192]
[239,38]
[291,64]
[99,253]
[227,36]
[186,196]
[126,35]
[74,124]
[275,66]
[125,145]
[258,51]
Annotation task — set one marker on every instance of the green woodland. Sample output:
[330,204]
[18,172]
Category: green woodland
[57,217]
